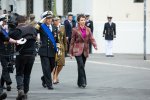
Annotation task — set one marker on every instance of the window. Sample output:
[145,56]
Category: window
[67,6]
[29,7]
[47,5]
[138,1]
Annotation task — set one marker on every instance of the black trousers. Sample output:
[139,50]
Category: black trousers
[1,88]
[23,71]
[48,64]
[5,77]
[90,48]
[81,60]
[68,44]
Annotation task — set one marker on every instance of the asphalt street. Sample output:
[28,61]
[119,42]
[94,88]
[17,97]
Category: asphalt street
[123,77]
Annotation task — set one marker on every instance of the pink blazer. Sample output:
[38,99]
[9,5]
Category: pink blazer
[79,44]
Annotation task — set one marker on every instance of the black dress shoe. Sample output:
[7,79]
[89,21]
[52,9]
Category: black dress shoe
[111,55]
[50,87]
[107,55]
[79,86]
[3,96]
[8,88]
[83,85]
[20,95]
[43,82]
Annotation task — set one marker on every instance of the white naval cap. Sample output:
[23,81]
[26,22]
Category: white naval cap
[109,16]
[47,14]
[70,14]
[4,16]
[56,18]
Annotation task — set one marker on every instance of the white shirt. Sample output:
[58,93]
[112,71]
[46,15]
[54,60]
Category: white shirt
[50,27]
[110,23]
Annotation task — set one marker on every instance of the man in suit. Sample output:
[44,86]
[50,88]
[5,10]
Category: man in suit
[48,49]
[89,23]
[109,33]
[69,24]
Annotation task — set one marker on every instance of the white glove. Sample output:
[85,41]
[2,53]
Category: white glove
[21,41]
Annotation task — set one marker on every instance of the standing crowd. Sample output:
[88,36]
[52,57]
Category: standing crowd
[52,41]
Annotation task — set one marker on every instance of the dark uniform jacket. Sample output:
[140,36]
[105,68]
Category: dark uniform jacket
[6,48]
[28,32]
[109,31]
[47,48]
[89,24]
[68,28]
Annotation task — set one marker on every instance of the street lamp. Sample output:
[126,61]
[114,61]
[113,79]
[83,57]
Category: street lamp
[145,30]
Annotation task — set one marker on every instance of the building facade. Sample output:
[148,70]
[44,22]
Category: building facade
[127,14]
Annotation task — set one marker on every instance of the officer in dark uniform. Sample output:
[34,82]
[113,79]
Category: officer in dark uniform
[48,49]
[6,50]
[25,58]
[109,33]
[89,23]
[5,38]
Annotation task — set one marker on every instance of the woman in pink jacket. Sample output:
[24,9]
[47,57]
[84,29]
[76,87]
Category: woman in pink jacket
[79,47]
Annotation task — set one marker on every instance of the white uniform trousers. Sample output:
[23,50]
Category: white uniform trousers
[109,47]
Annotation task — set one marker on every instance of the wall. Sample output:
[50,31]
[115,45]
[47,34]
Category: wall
[21,7]
[59,7]
[38,8]
[82,6]
[128,17]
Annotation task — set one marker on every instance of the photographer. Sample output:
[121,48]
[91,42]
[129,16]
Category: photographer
[26,56]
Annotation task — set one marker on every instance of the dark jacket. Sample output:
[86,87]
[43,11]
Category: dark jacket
[109,31]
[68,27]
[47,48]
[28,32]
[6,48]
[89,24]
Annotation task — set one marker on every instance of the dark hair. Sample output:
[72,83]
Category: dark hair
[80,16]
[21,19]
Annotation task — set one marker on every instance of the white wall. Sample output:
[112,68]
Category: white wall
[129,37]
[38,8]
[82,6]
[128,17]
[59,7]
[21,7]
[3,4]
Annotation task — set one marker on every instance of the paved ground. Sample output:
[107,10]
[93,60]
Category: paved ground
[123,77]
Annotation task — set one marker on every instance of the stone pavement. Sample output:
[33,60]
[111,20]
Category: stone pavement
[123,77]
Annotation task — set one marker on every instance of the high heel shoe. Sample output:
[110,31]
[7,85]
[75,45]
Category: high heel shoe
[56,81]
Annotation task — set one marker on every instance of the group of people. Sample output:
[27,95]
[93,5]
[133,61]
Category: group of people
[55,40]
